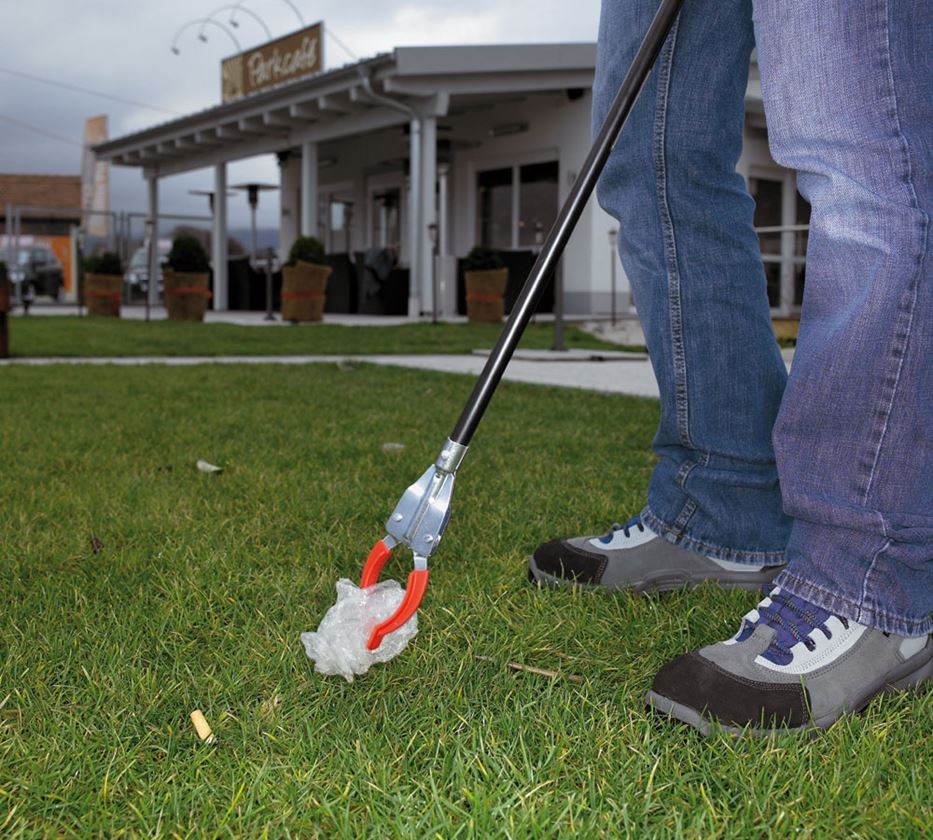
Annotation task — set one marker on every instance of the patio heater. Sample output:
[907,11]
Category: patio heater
[252,191]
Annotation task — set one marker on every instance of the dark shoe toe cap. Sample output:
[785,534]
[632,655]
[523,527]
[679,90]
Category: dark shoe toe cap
[701,685]
[559,559]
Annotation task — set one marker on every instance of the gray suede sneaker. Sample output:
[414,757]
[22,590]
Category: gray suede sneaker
[632,556]
[791,667]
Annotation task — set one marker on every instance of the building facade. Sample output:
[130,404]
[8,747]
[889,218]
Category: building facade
[428,151]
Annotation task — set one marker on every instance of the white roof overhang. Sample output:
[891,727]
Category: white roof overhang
[339,104]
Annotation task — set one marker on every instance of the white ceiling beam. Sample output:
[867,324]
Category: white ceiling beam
[252,125]
[490,83]
[248,146]
[334,105]
[185,143]
[304,112]
[279,119]
[228,132]
[206,138]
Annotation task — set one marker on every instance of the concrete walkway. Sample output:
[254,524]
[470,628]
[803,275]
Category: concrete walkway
[616,374]
[606,372]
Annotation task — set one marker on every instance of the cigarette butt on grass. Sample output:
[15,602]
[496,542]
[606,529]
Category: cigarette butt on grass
[202,727]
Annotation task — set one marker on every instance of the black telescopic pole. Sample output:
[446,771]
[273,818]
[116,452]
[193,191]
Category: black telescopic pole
[569,215]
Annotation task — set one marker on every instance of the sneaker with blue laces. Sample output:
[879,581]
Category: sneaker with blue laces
[632,556]
[791,666]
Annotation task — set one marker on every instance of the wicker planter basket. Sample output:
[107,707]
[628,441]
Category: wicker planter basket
[102,294]
[304,291]
[186,294]
[484,290]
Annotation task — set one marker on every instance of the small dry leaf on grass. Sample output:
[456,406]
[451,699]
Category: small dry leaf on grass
[270,706]
[96,545]
[392,447]
[207,467]
[531,669]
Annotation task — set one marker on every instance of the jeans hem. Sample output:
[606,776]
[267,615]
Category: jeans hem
[850,608]
[678,536]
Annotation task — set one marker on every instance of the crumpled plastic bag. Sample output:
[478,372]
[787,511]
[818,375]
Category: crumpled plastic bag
[339,644]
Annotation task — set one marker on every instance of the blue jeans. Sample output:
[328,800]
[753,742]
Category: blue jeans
[831,470]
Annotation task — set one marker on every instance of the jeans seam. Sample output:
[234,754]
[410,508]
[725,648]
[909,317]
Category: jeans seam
[678,353]
[719,552]
[868,571]
[904,323]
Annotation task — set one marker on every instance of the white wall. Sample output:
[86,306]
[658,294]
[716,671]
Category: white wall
[558,128]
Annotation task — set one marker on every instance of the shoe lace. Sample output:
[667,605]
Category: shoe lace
[625,528]
[794,620]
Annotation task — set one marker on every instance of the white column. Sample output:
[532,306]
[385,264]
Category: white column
[309,189]
[428,208]
[446,264]
[152,182]
[414,220]
[219,237]
[443,233]
[289,184]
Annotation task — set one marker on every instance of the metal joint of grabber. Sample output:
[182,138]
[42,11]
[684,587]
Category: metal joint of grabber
[418,522]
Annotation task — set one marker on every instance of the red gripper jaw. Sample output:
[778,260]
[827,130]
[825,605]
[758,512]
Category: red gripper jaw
[414,592]
[374,563]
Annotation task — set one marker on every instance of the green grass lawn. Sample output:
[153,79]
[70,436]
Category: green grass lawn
[73,336]
[202,585]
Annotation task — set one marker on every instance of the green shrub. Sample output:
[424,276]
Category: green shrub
[188,255]
[482,258]
[307,249]
[106,263]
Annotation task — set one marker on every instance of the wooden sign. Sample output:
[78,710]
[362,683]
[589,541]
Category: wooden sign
[282,60]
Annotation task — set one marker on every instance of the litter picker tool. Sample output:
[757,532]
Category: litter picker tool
[421,515]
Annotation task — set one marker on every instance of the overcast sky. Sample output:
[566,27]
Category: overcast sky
[123,48]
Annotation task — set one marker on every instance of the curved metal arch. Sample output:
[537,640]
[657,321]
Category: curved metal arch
[236,7]
[292,6]
[204,21]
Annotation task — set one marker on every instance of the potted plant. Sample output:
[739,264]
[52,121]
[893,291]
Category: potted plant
[186,280]
[103,284]
[304,281]
[485,279]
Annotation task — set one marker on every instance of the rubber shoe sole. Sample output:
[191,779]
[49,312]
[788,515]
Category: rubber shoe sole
[662,582]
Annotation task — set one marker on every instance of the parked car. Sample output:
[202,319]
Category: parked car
[137,272]
[37,272]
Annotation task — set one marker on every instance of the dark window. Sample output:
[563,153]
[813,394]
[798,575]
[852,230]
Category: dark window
[768,200]
[537,202]
[494,207]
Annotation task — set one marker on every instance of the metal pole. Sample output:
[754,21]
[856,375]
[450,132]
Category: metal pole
[559,308]
[432,234]
[613,257]
[569,215]
[252,232]
[151,259]
[270,315]
[14,259]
